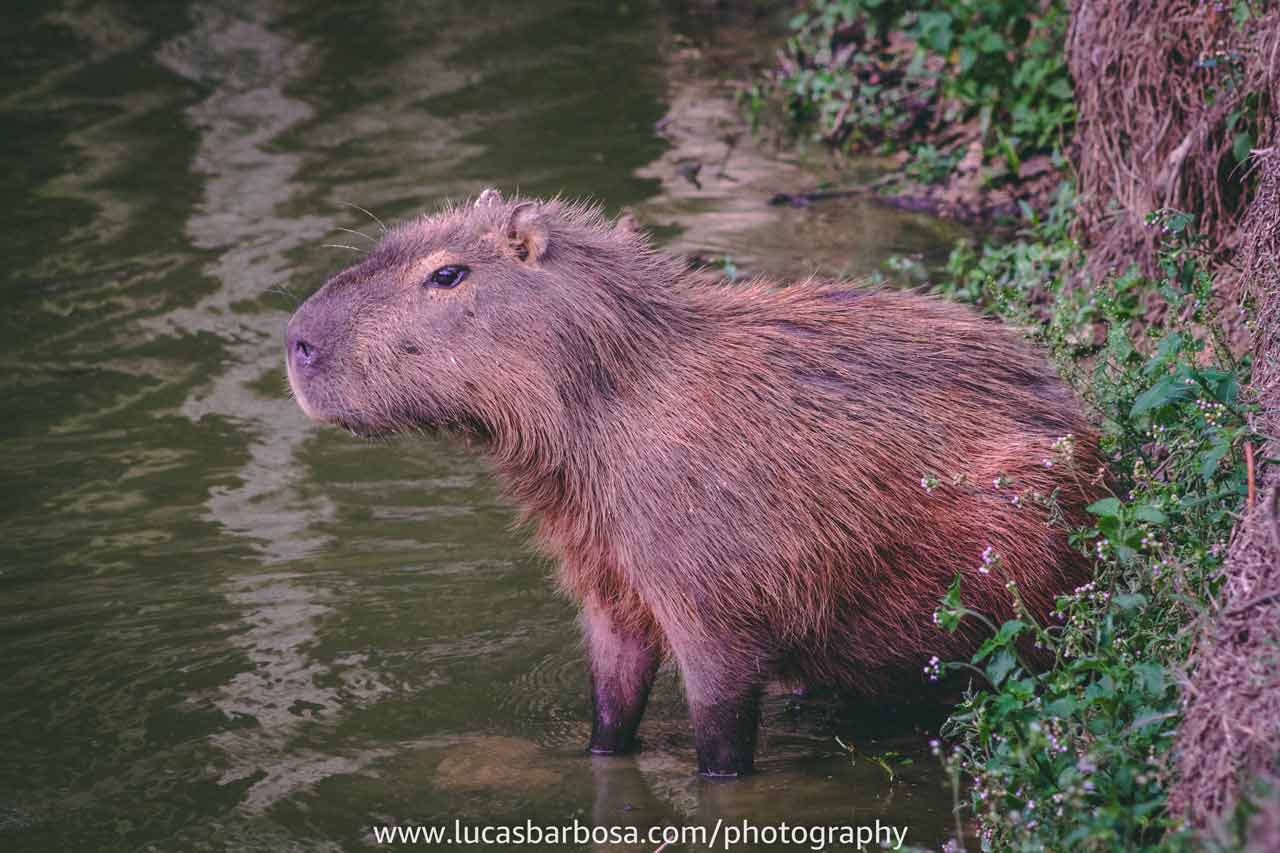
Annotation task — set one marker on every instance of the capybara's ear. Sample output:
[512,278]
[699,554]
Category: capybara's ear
[488,197]
[527,231]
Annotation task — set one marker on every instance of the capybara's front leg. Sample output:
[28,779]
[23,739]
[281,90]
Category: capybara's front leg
[624,660]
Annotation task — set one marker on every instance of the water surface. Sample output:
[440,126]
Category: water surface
[224,628]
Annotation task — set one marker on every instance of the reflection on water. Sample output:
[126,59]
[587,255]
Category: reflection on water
[246,180]
[717,182]
[224,628]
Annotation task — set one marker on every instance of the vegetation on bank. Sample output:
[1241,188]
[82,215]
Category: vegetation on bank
[1076,757]
[975,93]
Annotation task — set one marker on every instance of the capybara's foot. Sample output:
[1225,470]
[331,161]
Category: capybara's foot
[613,745]
[724,764]
[726,736]
[724,774]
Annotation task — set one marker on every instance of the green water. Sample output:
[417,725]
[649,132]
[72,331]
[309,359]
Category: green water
[224,628]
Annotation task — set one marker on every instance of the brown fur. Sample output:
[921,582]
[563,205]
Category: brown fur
[728,473]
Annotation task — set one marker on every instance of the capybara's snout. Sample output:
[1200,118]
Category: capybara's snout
[316,351]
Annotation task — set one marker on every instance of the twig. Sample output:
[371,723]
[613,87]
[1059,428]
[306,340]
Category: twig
[1253,484]
[1253,602]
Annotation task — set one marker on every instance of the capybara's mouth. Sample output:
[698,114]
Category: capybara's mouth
[363,429]
[311,404]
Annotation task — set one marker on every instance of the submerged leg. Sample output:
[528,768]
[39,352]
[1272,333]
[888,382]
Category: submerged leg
[624,660]
[724,701]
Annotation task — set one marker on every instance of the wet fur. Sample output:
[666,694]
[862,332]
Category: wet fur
[728,474]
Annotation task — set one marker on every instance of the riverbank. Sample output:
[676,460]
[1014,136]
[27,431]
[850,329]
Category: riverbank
[1151,731]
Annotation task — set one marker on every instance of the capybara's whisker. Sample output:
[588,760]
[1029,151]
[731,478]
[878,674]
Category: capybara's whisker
[285,292]
[366,213]
[358,234]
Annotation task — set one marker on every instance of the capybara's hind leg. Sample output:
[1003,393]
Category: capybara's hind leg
[624,659]
[725,733]
[724,701]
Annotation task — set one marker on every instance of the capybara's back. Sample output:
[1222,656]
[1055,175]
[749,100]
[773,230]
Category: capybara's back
[762,481]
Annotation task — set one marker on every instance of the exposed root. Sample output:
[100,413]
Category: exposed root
[1230,735]
[1164,89]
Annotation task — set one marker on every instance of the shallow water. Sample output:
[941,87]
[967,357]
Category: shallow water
[222,627]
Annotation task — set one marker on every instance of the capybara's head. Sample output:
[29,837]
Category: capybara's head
[469,319]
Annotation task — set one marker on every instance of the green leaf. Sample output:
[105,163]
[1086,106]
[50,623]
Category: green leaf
[1170,389]
[1220,383]
[1151,677]
[1150,514]
[1169,346]
[1241,146]
[952,609]
[1021,689]
[1061,89]
[1103,688]
[935,30]
[991,41]
[1106,508]
[1210,458]
[1129,600]
[952,598]
[1008,631]
[1000,667]
[1179,221]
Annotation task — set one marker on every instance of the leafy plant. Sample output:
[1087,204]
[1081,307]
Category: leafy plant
[1074,757]
[997,61]
[928,165]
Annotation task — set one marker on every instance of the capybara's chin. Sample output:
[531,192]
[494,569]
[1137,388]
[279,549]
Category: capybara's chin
[327,406]
[762,481]
[332,408]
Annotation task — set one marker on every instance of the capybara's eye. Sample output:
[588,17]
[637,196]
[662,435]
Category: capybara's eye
[449,276]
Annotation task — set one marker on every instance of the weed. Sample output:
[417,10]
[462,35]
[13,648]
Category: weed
[1075,757]
[998,62]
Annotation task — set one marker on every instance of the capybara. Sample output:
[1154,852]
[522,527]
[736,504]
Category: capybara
[766,482]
